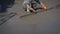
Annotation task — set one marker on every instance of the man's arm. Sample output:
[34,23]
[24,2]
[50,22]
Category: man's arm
[31,9]
[43,6]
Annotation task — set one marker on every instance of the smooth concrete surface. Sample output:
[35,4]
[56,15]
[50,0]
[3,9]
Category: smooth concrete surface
[41,23]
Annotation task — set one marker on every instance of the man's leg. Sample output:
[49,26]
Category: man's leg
[42,4]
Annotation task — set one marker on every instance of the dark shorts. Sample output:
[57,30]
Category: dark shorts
[37,1]
[34,5]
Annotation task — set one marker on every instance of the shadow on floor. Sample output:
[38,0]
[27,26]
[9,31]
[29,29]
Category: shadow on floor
[4,4]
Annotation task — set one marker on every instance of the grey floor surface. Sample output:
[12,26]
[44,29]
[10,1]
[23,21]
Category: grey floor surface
[41,23]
